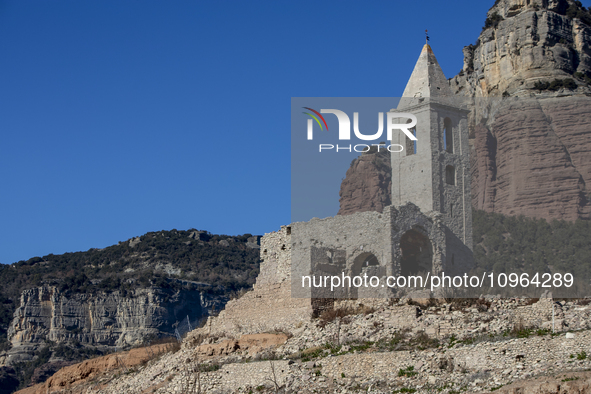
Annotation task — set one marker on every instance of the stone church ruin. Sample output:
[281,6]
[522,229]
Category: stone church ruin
[426,230]
[428,227]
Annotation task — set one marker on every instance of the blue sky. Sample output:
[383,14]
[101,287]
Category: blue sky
[123,117]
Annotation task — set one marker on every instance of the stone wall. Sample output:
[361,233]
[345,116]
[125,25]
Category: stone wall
[331,246]
[269,306]
[366,243]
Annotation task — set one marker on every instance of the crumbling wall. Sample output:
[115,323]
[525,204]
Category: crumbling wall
[269,306]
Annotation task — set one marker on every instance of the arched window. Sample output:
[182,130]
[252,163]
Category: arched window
[448,137]
[450,175]
[360,266]
[365,259]
[411,145]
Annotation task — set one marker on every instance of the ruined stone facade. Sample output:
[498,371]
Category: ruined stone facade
[400,240]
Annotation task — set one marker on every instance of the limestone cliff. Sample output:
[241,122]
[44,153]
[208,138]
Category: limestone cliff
[525,42]
[527,80]
[59,309]
[105,321]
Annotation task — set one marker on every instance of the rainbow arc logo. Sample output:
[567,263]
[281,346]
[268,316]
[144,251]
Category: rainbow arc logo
[315,118]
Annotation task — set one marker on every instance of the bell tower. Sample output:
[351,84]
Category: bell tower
[433,172]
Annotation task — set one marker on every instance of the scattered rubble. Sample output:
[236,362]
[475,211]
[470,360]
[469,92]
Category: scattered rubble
[464,345]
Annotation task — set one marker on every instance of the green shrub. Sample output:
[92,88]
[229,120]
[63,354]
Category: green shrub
[408,371]
[555,85]
[519,244]
[570,379]
[583,77]
[576,10]
[492,21]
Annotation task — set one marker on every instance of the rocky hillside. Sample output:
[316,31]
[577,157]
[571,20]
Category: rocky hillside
[58,309]
[526,79]
[478,345]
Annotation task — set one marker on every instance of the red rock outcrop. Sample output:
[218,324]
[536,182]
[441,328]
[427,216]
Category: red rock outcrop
[533,159]
[74,375]
[251,343]
[367,185]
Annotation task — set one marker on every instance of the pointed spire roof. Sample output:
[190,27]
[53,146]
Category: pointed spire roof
[427,79]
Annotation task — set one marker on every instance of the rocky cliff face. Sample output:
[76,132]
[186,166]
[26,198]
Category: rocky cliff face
[527,41]
[527,82]
[368,183]
[533,159]
[527,78]
[105,321]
